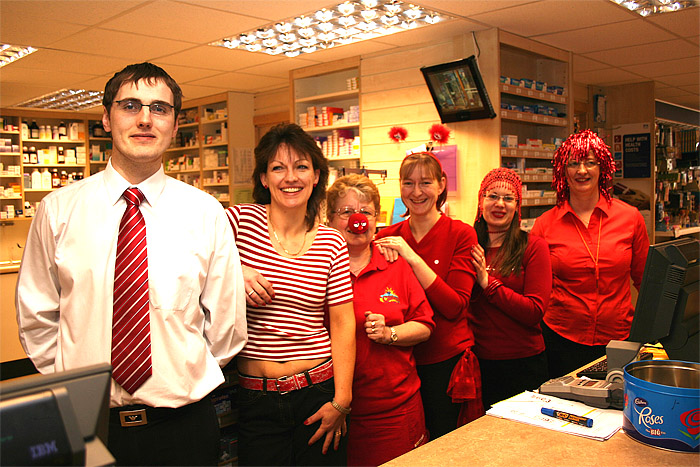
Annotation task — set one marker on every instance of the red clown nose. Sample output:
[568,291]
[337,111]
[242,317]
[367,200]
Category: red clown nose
[358,223]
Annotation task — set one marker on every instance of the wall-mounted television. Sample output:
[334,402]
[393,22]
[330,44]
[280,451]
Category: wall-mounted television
[458,90]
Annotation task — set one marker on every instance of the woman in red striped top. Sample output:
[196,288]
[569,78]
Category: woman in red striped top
[291,394]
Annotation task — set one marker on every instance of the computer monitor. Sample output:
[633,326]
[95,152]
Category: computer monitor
[56,419]
[667,306]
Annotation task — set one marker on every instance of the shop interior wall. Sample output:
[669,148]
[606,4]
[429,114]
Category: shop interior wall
[394,94]
[13,236]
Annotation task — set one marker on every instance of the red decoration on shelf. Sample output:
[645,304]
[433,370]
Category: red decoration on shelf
[398,134]
[439,133]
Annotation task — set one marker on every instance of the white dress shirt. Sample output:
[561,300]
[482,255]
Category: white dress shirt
[197,299]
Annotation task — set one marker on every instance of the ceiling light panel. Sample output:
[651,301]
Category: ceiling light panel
[10,53]
[66,99]
[346,23]
[654,7]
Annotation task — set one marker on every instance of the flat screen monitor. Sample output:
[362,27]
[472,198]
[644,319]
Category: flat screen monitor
[56,419]
[458,90]
[669,297]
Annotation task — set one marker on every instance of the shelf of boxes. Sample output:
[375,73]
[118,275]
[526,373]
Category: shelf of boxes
[535,115]
[326,103]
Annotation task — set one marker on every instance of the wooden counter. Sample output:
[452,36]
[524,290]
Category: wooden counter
[491,441]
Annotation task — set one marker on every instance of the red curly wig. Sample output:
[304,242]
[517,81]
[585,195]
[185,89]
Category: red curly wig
[577,147]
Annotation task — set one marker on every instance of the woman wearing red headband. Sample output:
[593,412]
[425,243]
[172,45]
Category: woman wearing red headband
[439,251]
[514,282]
[596,244]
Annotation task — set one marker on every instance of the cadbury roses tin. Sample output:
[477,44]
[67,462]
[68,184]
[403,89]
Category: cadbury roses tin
[662,404]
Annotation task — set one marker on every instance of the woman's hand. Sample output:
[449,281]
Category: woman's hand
[375,327]
[258,290]
[392,247]
[333,426]
[479,262]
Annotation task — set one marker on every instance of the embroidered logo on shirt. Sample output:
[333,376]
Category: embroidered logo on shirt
[389,296]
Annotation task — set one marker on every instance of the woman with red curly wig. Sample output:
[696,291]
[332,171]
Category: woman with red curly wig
[596,245]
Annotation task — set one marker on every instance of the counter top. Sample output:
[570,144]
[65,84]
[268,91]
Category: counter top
[491,441]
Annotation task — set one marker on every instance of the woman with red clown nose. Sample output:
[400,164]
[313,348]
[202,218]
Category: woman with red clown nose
[514,282]
[392,315]
[438,249]
[596,245]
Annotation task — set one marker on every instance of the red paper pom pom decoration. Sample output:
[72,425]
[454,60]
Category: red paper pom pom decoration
[398,134]
[439,133]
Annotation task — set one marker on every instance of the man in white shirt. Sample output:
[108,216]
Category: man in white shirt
[195,302]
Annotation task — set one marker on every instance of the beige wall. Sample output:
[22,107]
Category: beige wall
[12,233]
[394,93]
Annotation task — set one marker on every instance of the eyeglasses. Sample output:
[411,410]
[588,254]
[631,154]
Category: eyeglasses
[345,212]
[493,198]
[133,106]
[589,164]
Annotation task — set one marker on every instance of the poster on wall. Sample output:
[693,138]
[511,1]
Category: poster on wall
[631,149]
[447,155]
[632,146]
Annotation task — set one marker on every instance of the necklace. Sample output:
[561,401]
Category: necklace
[597,252]
[359,269]
[497,231]
[283,248]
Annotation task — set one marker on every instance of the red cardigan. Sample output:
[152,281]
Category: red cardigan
[446,248]
[506,316]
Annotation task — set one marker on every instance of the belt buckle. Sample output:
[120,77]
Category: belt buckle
[133,417]
[284,379]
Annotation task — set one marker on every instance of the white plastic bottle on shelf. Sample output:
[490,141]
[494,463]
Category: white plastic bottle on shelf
[24,132]
[46,179]
[36,179]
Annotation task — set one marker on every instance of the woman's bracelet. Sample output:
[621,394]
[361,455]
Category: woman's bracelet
[340,408]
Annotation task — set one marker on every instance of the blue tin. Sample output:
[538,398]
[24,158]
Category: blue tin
[662,404]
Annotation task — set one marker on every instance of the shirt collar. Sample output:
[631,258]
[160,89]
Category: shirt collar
[602,205]
[151,188]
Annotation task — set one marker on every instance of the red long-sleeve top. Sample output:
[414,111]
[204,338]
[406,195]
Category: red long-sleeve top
[582,309]
[446,248]
[505,317]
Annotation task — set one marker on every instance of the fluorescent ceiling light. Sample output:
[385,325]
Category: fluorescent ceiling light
[10,53]
[66,99]
[654,7]
[348,22]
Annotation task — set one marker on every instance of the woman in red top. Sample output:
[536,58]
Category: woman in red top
[596,245]
[438,249]
[514,281]
[392,315]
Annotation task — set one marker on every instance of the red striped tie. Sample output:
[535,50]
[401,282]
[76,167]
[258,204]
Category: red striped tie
[131,327]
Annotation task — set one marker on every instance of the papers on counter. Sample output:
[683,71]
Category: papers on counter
[526,408]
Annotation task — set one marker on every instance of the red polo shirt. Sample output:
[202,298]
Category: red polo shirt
[385,375]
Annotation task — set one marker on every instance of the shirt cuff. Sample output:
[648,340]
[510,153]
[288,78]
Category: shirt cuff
[493,284]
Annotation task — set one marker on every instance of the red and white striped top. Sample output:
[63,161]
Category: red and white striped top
[291,327]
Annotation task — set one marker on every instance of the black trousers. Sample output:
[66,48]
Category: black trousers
[564,356]
[188,435]
[441,414]
[501,379]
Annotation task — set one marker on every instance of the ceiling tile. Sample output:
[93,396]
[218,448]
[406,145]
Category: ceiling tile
[267,10]
[538,18]
[623,34]
[216,58]
[59,60]
[13,93]
[240,82]
[281,67]
[181,21]
[684,79]
[667,67]
[646,53]
[431,33]
[58,79]
[685,23]
[582,64]
[608,76]
[134,47]
[18,33]
[470,8]
[185,74]
[85,12]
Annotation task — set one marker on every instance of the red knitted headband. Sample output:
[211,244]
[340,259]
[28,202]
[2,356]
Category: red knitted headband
[501,177]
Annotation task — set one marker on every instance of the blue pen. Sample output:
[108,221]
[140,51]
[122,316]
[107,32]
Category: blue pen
[569,417]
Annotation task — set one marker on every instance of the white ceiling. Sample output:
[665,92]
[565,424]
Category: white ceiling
[84,42]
